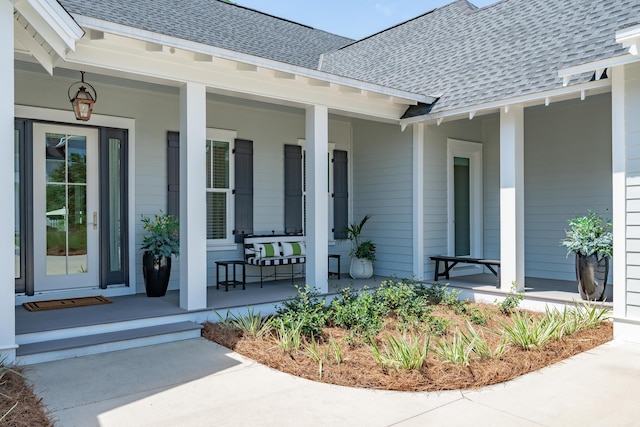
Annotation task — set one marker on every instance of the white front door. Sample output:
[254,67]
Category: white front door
[65,207]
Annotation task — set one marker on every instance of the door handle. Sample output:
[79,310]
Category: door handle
[95,220]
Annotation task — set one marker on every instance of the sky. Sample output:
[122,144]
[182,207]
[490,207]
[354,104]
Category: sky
[350,18]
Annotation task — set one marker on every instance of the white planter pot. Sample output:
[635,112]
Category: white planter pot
[361,268]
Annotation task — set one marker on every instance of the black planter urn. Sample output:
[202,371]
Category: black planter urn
[156,270]
[591,273]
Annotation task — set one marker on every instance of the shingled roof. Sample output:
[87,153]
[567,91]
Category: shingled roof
[217,23]
[471,56]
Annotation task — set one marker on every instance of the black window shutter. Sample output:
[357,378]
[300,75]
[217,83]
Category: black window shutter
[292,189]
[173,173]
[243,188]
[340,194]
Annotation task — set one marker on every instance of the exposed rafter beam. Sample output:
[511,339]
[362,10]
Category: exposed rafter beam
[283,75]
[36,49]
[154,47]
[318,83]
[349,89]
[241,66]
[202,57]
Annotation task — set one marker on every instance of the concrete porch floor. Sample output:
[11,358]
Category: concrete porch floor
[139,306]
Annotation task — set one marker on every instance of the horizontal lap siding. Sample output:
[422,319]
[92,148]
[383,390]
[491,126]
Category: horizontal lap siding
[632,149]
[435,182]
[567,173]
[382,186]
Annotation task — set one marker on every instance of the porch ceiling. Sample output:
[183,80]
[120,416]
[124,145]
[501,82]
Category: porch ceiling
[162,64]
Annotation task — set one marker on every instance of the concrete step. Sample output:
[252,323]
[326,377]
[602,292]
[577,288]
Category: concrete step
[57,349]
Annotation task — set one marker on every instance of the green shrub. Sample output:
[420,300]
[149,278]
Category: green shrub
[477,316]
[438,325]
[511,301]
[434,293]
[305,308]
[360,313]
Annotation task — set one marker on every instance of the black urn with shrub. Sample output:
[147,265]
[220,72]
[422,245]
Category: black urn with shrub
[161,241]
[590,238]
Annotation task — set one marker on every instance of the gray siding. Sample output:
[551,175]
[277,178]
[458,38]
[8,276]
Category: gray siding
[382,186]
[567,173]
[156,113]
[435,182]
[632,133]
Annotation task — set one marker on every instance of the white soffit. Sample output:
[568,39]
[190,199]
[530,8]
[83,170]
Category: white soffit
[254,63]
[45,30]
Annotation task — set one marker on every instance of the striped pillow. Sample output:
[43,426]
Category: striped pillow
[266,250]
[293,249]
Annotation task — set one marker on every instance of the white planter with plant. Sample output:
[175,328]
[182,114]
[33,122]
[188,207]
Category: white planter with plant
[590,238]
[363,252]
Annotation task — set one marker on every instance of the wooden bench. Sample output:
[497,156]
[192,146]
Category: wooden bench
[452,261]
[273,251]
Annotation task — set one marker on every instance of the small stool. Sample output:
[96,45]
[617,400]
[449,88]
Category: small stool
[226,282]
[336,273]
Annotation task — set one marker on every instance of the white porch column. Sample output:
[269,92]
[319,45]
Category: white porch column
[193,206]
[512,197]
[619,202]
[418,201]
[317,137]
[7,221]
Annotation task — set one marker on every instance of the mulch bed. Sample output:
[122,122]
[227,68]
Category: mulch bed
[19,406]
[360,369]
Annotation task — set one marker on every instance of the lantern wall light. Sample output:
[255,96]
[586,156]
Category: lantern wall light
[83,100]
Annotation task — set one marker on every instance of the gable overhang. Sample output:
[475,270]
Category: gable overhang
[132,53]
[45,31]
[630,38]
[580,90]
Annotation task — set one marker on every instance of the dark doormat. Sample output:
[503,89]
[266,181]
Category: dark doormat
[65,303]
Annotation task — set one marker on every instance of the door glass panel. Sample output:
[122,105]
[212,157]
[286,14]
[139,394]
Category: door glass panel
[115,242]
[66,205]
[462,206]
[16,238]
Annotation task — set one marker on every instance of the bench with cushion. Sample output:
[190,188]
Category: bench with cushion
[275,250]
[452,261]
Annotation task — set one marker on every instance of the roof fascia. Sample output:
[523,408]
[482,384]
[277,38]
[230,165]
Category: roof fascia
[148,36]
[630,37]
[538,98]
[595,66]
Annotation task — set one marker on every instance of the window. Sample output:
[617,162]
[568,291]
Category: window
[219,186]
[332,146]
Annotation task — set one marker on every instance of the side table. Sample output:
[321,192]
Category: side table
[234,281]
[334,273]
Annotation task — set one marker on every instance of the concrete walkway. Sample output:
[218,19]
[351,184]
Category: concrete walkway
[198,383]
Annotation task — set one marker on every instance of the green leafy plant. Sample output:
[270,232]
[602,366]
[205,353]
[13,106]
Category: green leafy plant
[511,301]
[162,236]
[305,308]
[402,353]
[360,313]
[336,350]
[457,351]
[529,334]
[252,324]
[588,235]
[365,249]
[288,335]
[481,347]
